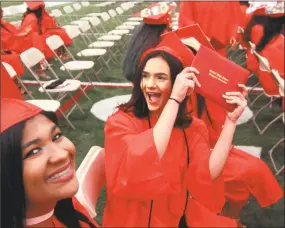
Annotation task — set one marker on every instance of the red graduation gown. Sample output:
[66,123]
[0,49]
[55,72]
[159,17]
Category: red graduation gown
[243,174]
[219,20]
[273,52]
[8,87]
[49,27]
[14,60]
[11,41]
[77,206]
[135,176]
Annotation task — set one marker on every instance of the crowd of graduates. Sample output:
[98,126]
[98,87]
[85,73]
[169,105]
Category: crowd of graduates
[169,156]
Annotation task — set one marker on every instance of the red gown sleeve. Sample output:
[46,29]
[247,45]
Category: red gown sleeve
[186,14]
[200,184]
[133,169]
[30,20]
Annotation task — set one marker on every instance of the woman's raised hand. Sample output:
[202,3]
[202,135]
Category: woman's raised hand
[185,83]
[239,99]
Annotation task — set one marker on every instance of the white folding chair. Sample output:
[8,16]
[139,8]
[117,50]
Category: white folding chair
[91,177]
[55,42]
[33,57]
[79,29]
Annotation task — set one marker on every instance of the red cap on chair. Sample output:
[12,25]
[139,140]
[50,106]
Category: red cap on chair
[157,14]
[33,5]
[15,111]
[171,44]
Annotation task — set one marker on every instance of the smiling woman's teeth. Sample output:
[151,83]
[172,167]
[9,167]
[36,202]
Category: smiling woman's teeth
[58,175]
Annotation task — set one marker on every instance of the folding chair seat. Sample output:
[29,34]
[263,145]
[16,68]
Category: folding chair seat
[91,177]
[47,105]
[132,23]
[125,27]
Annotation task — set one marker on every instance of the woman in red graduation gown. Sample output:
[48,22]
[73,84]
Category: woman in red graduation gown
[38,180]
[44,25]
[147,144]
[264,30]
[219,20]
[14,41]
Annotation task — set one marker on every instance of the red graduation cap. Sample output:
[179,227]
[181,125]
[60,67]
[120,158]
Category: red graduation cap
[194,31]
[171,44]
[33,5]
[14,111]
[157,14]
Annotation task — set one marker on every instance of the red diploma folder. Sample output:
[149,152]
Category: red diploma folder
[218,75]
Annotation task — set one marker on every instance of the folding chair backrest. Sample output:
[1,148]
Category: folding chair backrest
[119,10]
[112,13]
[72,31]
[54,42]
[32,57]
[68,9]
[10,69]
[77,6]
[125,6]
[21,8]
[85,4]
[93,20]
[91,178]
[56,13]
[83,25]
[105,16]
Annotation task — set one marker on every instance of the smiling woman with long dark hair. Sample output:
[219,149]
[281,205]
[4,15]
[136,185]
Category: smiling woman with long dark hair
[38,180]
[159,168]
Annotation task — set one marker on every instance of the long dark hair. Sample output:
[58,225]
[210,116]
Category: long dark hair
[137,103]
[39,14]
[272,26]
[145,36]
[13,203]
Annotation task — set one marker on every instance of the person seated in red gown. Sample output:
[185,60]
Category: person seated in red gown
[45,25]
[264,30]
[14,41]
[38,180]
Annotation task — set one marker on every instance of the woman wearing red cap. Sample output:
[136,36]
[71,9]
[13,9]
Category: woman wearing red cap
[38,180]
[156,21]
[244,174]
[43,24]
[159,168]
